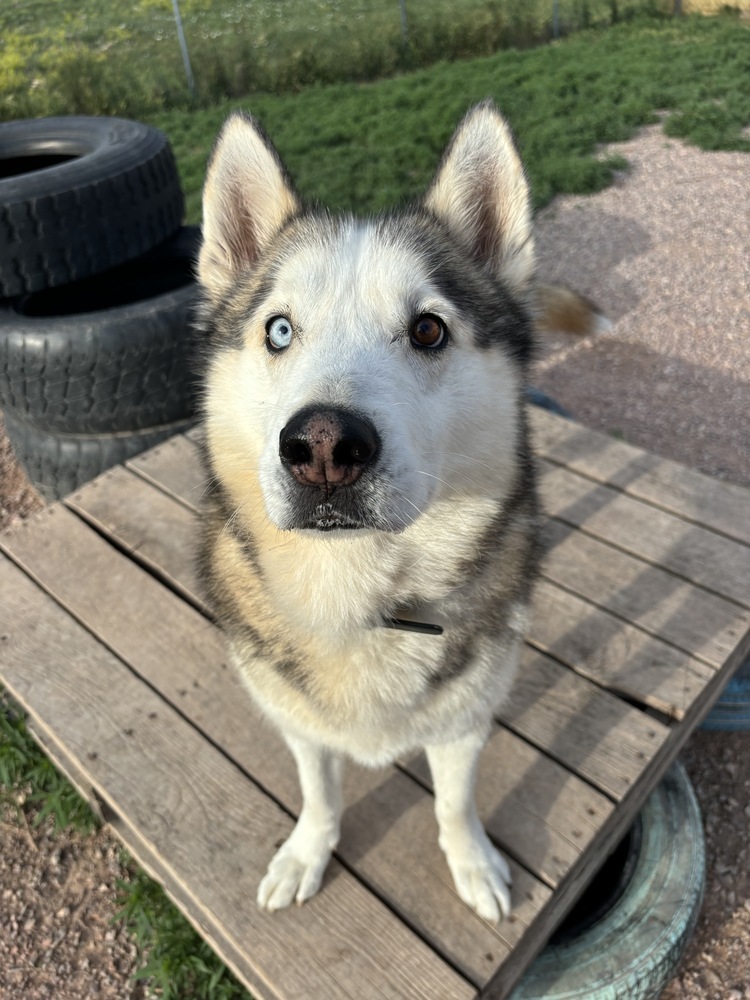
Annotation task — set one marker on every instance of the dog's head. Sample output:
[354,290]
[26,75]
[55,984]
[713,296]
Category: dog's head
[362,371]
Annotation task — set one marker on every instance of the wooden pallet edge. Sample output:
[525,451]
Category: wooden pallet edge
[612,832]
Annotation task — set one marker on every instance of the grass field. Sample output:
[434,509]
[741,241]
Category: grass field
[367,146]
[102,57]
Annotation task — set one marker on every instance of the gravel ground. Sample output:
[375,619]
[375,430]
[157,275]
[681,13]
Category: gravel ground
[665,253]
[57,901]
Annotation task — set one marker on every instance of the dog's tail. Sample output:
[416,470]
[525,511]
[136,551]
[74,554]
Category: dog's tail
[559,310]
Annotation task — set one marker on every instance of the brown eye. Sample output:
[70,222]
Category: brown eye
[428,331]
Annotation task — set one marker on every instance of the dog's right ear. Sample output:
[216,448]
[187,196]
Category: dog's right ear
[247,197]
[480,191]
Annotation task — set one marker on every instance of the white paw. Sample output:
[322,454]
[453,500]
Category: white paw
[293,875]
[481,875]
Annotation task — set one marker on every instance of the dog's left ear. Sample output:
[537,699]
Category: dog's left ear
[247,198]
[481,192]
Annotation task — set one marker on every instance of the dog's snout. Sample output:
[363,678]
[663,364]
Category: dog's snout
[327,448]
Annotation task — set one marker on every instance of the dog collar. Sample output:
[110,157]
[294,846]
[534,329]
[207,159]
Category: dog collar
[408,624]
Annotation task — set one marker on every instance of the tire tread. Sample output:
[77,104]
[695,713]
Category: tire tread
[118,216]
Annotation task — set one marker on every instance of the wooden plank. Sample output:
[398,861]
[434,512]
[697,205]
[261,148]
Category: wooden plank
[144,623]
[697,554]
[389,827]
[175,467]
[170,786]
[691,618]
[596,735]
[174,649]
[531,806]
[552,910]
[145,523]
[613,653]
[614,828]
[138,847]
[721,506]
[534,710]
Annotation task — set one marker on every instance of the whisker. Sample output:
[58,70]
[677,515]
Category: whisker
[206,486]
[468,458]
[468,479]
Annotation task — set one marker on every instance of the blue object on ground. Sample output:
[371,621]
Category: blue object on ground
[539,398]
[732,711]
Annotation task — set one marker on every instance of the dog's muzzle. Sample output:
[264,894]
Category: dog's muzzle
[325,451]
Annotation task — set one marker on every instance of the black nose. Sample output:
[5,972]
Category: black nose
[328,447]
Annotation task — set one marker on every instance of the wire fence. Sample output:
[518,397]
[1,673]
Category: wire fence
[423,30]
[136,58]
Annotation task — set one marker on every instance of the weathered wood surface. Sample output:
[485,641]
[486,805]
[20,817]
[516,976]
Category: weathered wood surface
[658,481]
[181,656]
[655,600]
[146,523]
[697,554]
[196,812]
[631,603]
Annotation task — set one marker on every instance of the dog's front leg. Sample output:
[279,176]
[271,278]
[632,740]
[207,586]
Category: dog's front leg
[480,872]
[296,871]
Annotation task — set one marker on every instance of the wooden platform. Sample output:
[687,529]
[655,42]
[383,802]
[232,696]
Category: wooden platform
[642,614]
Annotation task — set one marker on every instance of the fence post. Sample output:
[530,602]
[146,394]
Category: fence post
[555,18]
[404,25]
[183,46]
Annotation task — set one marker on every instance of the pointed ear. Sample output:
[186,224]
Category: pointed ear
[247,197]
[480,191]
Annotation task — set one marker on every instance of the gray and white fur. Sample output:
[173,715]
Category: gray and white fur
[365,431]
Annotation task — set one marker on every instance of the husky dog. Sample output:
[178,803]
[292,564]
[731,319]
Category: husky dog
[371,540]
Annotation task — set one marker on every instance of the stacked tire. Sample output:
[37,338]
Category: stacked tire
[97,292]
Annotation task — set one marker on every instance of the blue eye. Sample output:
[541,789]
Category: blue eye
[279,333]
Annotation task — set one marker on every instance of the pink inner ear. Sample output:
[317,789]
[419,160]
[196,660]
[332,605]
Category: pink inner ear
[487,235]
[238,232]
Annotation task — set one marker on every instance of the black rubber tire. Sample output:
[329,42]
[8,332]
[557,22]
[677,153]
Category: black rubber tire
[108,353]
[79,195]
[632,950]
[57,464]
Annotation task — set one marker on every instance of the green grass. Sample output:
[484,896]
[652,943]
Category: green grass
[29,782]
[368,146]
[174,960]
[102,57]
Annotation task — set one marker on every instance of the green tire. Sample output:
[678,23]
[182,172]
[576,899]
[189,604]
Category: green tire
[632,949]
